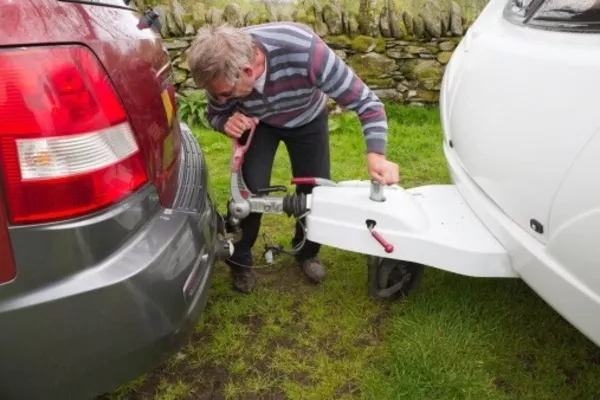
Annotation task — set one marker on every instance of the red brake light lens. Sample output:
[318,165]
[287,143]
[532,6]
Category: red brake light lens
[7,262]
[66,145]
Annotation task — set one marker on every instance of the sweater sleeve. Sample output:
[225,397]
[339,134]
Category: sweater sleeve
[217,114]
[336,79]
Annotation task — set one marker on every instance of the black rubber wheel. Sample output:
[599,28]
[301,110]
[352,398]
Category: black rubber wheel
[393,279]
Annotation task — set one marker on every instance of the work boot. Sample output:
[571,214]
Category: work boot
[313,269]
[243,281]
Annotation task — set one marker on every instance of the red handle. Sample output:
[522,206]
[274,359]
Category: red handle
[304,181]
[239,151]
[386,246]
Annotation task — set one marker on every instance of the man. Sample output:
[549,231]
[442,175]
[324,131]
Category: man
[277,77]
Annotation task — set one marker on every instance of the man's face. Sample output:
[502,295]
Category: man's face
[223,91]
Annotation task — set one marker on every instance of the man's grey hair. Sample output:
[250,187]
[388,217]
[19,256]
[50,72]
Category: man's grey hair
[219,52]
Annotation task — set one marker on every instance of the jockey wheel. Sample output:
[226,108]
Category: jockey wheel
[392,279]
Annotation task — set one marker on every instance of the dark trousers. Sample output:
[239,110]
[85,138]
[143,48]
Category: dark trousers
[308,148]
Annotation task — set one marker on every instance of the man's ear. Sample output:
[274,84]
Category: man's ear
[247,70]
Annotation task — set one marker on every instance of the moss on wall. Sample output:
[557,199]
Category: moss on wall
[401,54]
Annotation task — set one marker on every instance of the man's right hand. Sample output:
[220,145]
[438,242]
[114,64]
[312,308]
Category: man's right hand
[238,123]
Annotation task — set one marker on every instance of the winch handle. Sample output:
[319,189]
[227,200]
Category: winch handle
[239,151]
[376,193]
[377,236]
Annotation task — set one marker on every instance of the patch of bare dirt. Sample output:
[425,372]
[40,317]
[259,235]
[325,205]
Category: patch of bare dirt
[501,384]
[288,277]
[377,333]
[594,356]
[301,378]
[254,321]
[349,387]
[571,375]
[529,361]
[284,342]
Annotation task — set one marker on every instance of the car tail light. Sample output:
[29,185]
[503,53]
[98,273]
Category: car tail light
[7,261]
[66,145]
[561,15]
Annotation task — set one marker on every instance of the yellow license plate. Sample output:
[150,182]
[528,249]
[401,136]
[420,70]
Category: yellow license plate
[169,108]
[168,151]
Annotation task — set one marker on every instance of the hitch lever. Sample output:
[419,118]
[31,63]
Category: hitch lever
[239,151]
[386,246]
[271,189]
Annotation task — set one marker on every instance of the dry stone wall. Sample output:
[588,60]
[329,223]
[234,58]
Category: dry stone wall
[399,55]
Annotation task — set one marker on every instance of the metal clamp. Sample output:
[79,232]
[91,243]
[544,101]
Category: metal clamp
[243,201]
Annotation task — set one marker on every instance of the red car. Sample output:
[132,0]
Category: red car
[108,235]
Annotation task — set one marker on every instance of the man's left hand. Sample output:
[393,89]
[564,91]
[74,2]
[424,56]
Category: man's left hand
[381,170]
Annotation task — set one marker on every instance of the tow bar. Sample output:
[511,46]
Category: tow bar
[400,230]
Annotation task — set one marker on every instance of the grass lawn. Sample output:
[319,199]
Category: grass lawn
[453,338]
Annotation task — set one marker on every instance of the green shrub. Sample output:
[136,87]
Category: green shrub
[192,109]
[334,124]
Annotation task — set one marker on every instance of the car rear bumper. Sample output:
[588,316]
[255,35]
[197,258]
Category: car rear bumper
[91,331]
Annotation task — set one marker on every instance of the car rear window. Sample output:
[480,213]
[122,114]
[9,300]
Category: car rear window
[521,6]
[129,4]
[559,15]
[568,10]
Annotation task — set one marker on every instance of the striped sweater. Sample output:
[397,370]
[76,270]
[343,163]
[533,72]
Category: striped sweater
[302,72]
